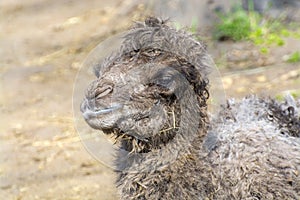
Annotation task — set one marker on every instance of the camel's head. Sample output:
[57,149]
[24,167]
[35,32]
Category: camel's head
[152,87]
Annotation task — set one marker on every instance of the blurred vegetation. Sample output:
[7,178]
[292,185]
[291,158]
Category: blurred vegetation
[294,57]
[240,24]
[235,26]
[294,93]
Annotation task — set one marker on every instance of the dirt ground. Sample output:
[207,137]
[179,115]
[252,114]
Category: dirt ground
[42,46]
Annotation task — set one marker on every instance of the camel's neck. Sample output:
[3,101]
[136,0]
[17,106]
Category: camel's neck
[169,172]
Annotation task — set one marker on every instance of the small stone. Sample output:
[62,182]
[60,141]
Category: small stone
[227,82]
[261,78]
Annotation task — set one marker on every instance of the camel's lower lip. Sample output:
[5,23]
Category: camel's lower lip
[88,114]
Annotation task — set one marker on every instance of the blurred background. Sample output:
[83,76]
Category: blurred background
[255,46]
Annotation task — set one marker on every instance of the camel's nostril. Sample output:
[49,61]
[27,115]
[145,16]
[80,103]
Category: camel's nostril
[103,91]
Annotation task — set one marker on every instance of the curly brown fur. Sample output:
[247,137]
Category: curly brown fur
[151,96]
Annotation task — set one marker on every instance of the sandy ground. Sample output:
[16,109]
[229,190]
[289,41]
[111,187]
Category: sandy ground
[42,46]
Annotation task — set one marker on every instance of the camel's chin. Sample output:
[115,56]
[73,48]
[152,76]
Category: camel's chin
[102,124]
[101,118]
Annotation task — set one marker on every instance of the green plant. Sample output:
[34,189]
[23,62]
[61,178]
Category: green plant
[264,50]
[194,26]
[268,33]
[249,25]
[236,26]
[294,57]
[294,93]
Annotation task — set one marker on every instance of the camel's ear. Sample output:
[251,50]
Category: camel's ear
[170,82]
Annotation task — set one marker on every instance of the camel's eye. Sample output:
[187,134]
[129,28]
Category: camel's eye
[103,91]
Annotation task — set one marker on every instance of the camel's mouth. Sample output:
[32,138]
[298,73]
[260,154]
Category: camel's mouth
[100,117]
[88,113]
[137,143]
